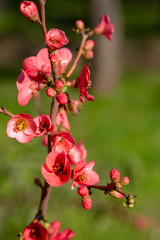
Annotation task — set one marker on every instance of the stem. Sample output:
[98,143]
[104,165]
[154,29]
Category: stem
[74,65]
[43,19]
[6,112]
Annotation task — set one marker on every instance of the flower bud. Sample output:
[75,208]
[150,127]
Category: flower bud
[38,182]
[89,44]
[62,98]
[124,180]
[59,86]
[114,175]
[118,185]
[50,92]
[89,54]
[115,194]
[29,9]
[79,24]
[83,191]
[53,57]
[87,202]
[74,106]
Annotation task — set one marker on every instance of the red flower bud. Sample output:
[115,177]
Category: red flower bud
[53,57]
[58,86]
[29,9]
[89,44]
[115,194]
[79,24]
[114,175]
[124,180]
[87,202]
[50,92]
[83,191]
[89,54]
[62,98]
[74,106]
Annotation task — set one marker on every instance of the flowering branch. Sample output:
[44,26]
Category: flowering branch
[6,112]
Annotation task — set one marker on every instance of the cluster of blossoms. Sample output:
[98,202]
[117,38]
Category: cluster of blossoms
[66,159]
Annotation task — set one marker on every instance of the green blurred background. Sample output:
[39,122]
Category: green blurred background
[121,129]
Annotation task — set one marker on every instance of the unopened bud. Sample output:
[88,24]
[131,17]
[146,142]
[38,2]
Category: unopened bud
[30,10]
[115,194]
[87,202]
[124,180]
[62,98]
[50,92]
[89,44]
[88,54]
[38,182]
[83,191]
[79,24]
[53,57]
[59,86]
[118,185]
[74,106]
[114,175]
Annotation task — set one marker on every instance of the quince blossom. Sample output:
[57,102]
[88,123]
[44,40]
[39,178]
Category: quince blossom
[64,58]
[84,83]
[55,38]
[44,125]
[62,141]
[61,118]
[29,9]
[54,233]
[56,170]
[22,127]
[105,27]
[35,231]
[77,153]
[83,175]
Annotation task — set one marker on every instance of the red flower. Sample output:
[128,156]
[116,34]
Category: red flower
[44,125]
[55,38]
[105,27]
[61,118]
[56,170]
[84,83]
[62,141]
[35,231]
[22,127]
[83,175]
[64,57]
[54,233]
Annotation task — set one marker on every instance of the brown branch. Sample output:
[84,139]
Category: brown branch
[74,65]
[42,15]
[6,112]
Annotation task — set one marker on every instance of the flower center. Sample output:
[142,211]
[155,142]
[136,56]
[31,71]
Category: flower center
[43,126]
[21,125]
[35,233]
[82,177]
[58,168]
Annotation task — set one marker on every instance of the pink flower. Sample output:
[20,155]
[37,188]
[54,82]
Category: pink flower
[35,231]
[105,27]
[83,175]
[84,83]
[38,67]
[22,127]
[64,58]
[56,170]
[62,141]
[27,88]
[43,124]
[55,38]
[61,118]
[77,153]
[29,9]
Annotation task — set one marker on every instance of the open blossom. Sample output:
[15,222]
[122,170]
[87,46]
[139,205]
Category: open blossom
[62,141]
[55,234]
[55,38]
[43,124]
[105,27]
[27,88]
[35,231]
[84,83]
[83,175]
[61,118]
[64,57]
[22,127]
[38,67]
[29,9]
[56,170]
[77,153]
